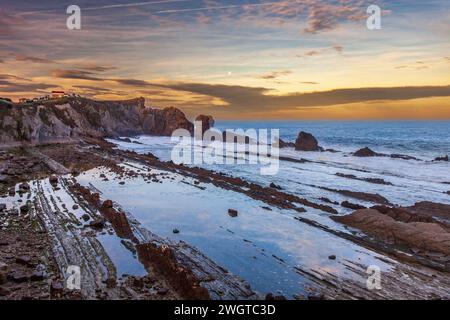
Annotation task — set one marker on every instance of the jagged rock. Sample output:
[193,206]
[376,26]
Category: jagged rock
[24,209]
[365,152]
[306,142]
[24,186]
[403,156]
[206,121]
[284,144]
[275,186]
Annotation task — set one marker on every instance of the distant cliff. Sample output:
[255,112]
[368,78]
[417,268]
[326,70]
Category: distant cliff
[71,119]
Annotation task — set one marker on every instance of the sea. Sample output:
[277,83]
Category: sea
[272,248]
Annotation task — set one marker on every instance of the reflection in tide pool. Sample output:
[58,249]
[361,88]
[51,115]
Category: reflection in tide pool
[261,246]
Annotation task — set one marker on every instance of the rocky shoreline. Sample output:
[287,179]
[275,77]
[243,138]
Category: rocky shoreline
[174,266]
[49,221]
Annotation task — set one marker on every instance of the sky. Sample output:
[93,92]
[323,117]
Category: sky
[236,59]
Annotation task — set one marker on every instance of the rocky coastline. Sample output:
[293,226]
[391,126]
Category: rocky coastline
[47,147]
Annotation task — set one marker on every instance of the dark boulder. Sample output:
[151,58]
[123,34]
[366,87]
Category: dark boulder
[275,186]
[232,213]
[53,179]
[306,142]
[442,159]
[285,144]
[365,152]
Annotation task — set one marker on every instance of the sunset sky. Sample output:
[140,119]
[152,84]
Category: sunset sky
[251,59]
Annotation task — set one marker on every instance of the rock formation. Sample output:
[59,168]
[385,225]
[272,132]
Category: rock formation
[427,236]
[206,121]
[76,118]
[306,142]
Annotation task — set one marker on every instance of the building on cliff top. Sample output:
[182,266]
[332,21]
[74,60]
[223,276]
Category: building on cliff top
[58,94]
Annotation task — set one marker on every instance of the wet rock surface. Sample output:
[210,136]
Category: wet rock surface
[426,236]
[79,240]
[25,260]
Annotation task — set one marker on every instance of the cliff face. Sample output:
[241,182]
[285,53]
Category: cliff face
[71,119]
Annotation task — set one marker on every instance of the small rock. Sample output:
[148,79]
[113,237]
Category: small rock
[75,207]
[98,223]
[176,231]
[442,159]
[269,297]
[24,209]
[275,186]
[53,179]
[85,217]
[24,186]
[232,213]
[332,257]
[122,183]
[365,152]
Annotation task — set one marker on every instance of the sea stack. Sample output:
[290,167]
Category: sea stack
[207,122]
[306,142]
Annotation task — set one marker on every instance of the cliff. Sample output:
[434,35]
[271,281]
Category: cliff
[70,119]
